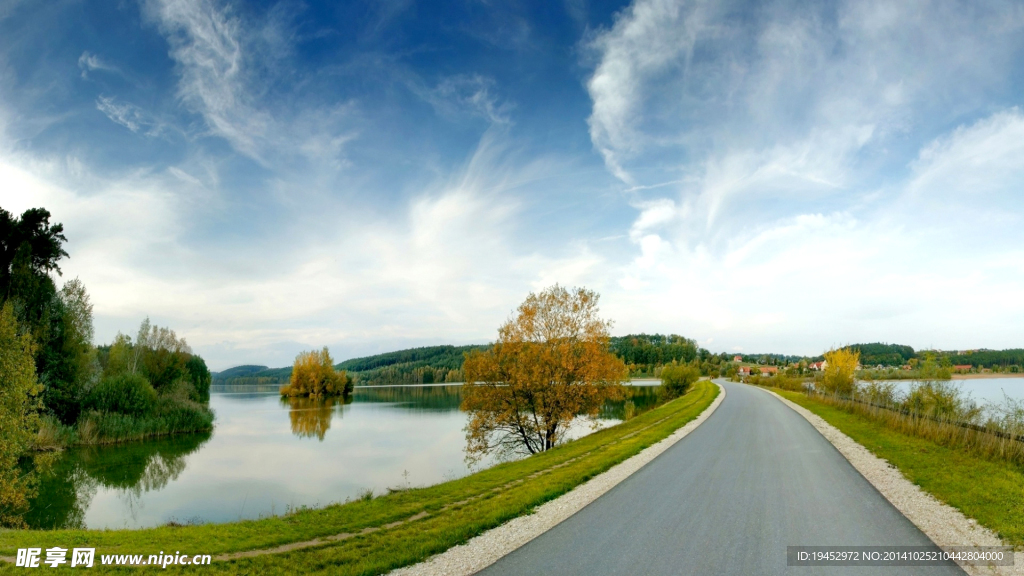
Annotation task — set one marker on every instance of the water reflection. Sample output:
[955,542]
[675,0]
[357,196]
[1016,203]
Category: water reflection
[261,460]
[636,399]
[416,398]
[67,487]
[312,417]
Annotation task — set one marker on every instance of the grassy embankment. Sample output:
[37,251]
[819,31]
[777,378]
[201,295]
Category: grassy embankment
[400,528]
[990,490]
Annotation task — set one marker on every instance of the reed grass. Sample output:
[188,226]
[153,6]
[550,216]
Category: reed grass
[94,427]
[989,490]
[1001,440]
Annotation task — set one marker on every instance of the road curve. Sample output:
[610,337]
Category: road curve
[727,499]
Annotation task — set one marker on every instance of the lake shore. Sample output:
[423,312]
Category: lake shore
[985,376]
[375,534]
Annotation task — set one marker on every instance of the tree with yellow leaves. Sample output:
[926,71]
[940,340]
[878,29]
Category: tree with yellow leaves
[19,420]
[551,364]
[314,376]
[838,373]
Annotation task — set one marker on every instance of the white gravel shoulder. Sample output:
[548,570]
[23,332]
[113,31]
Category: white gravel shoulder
[945,525]
[485,549]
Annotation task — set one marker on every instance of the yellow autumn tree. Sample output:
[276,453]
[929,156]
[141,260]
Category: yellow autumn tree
[314,376]
[19,420]
[550,364]
[838,378]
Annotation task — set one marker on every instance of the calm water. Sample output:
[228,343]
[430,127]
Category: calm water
[266,455]
[982,390]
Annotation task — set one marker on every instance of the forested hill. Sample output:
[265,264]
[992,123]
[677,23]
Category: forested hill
[876,353]
[238,371]
[897,355]
[643,352]
[449,357]
[436,364]
[426,365]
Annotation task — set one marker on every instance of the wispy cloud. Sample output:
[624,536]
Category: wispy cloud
[813,186]
[462,95]
[225,63]
[88,62]
[128,115]
[206,43]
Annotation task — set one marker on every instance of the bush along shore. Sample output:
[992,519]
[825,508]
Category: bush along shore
[375,534]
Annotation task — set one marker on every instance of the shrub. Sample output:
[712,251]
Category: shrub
[676,379]
[837,377]
[124,394]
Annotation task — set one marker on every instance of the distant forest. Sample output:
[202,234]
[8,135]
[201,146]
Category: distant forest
[439,364]
[427,365]
[898,355]
[644,354]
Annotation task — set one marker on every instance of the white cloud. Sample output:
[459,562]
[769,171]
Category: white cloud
[444,266]
[89,62]
[225,66]
[813,203]
[982,163]
[471,94]
[128,115]
[205,42]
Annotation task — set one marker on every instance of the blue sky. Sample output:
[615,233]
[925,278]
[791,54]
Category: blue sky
[775,176]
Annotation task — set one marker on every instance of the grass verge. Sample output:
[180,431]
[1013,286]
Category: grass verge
[454,511]
[990,491]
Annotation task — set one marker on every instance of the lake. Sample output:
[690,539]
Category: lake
[982,390]
[267,455]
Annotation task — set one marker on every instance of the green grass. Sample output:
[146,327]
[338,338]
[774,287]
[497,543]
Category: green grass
[457,510]
[990,491]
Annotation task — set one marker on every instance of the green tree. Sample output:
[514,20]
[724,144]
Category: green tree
[30,248]
[67,362]
[200,376]
[18,416]
[676,379]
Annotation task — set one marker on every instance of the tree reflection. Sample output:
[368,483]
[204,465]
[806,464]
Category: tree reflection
[67,487]
[310,417]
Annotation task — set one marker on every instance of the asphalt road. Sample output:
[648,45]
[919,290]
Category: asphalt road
[727,499]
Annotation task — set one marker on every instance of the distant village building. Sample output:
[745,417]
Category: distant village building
[737,358]
[769,370]
[818,365]
[744,371]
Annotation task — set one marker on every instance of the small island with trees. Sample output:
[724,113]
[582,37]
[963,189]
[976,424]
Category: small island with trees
[314,376]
